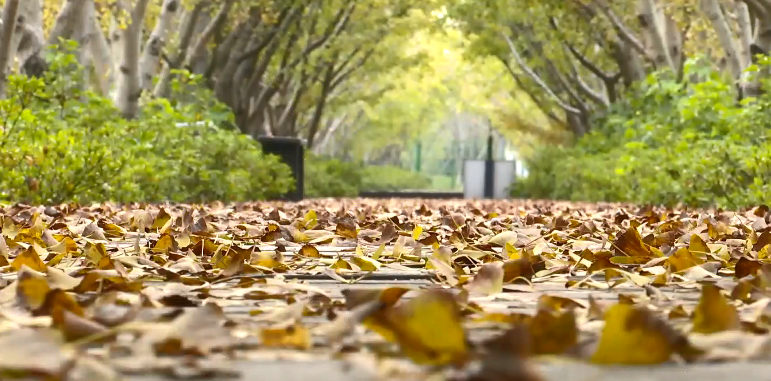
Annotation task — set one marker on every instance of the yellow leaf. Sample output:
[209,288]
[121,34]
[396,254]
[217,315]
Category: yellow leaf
[553,332]
[112,230]
[633,336]
[311,220]
[265,259]
[515,269]
[340,264]
[58,300]
[310,251]
[512,252]
[66,245]
[36,230]
[630,243]
[161,219]
[428,328]
[416,232]
[10,229]
[29,258]
[714,313]
[346,229]
[31,290]
[376,255]
[293,336]
[95,253]
[164,244]
[366,263]
[698,246]
[683,259]
[504,237]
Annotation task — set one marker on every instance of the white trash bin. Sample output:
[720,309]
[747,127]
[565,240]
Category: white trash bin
[474,178]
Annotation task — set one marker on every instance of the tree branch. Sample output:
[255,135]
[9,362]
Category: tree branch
[623,31]
[537,78]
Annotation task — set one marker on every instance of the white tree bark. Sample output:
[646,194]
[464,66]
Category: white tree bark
[100,53]
[655,26]
[760,10]
[200,44]
[10,13]
[128,89]
[185,34]
[151,54]
[745,31]
[115,41]
[205,18]
[715,15]
[81,30]
[29,29]
[67,21]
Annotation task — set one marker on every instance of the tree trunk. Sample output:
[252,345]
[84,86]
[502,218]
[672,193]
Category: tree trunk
[761,44]
[10,13]
[725,36]
[187,28]
[654,25]
[745,32]
[29,36]
[151,54]
[128,90]
[100,54]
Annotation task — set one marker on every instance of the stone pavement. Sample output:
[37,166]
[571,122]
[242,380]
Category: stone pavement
[330,370]
[297,366]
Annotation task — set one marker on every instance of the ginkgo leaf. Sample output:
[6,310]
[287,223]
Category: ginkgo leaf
[29,258]
[634,336]
[682,259]
[630,243]
[714,313]
[488,280]
[427,328]
[293,336]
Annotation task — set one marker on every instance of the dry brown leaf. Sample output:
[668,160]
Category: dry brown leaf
[488,280]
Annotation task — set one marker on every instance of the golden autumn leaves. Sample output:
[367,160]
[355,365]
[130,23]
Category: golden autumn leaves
[482,293]
[430,328]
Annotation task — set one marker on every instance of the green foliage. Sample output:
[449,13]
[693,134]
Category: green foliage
[669,143]
[327,177]
[390,178]
[64,144]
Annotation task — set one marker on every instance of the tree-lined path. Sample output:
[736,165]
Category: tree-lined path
[135,243]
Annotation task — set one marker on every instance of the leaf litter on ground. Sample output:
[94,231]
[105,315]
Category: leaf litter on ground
[460,290]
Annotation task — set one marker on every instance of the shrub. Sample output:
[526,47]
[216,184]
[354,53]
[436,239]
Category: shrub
[668,143]
[391,178]
[60,143]
[327,177]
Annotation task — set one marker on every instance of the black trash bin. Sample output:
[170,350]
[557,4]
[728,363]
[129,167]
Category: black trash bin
[292,152]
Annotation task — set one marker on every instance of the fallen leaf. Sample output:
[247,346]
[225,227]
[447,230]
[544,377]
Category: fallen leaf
[33,351]
[427,328]
[488,280]
[293,337]
[634,336]
[714,313]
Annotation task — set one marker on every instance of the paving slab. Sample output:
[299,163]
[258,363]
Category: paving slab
[331,370]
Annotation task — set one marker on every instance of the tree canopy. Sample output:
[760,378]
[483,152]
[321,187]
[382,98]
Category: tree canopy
[376,80]
[576,58]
